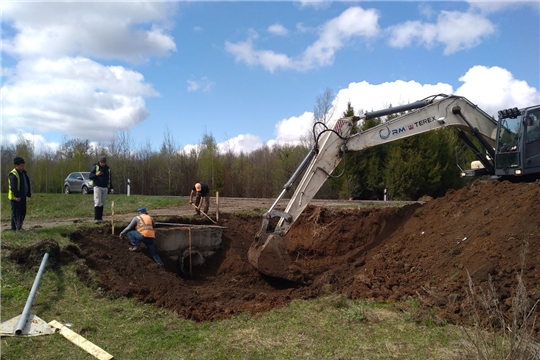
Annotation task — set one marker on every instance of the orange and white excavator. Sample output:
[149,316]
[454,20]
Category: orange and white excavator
[510,150]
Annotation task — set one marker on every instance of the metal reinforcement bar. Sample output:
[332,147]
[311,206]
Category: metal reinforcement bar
[24,316]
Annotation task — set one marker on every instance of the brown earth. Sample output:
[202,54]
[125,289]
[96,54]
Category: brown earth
[418,251]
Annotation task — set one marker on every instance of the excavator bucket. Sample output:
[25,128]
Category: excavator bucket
[269,256]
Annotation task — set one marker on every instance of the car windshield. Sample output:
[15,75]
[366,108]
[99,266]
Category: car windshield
[86,175]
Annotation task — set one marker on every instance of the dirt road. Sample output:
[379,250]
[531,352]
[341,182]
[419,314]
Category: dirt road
[225,205]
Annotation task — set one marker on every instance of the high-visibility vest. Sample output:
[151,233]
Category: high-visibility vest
[11,195]
[144,227]
[108,183]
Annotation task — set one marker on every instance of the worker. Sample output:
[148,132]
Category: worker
[141,229]
[100,176]
[201,191]
[18,191]
[533,128]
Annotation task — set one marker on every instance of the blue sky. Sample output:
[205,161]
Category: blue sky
[250,73]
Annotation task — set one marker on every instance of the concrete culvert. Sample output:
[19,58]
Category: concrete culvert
[190,259]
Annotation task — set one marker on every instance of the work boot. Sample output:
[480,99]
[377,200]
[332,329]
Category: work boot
[100,213]
[135,248]
[96,214]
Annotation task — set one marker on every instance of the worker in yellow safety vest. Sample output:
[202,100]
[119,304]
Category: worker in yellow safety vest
[18,191]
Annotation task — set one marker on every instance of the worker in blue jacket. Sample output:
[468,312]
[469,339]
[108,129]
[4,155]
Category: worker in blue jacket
[101,178]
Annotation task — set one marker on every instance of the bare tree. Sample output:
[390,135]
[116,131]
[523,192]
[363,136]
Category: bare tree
[169,154]
[322,113]
[120,150]
[323,110]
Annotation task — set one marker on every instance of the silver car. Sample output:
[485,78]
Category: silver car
[78,182]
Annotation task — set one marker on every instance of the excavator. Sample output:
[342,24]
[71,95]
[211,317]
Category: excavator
[510,150]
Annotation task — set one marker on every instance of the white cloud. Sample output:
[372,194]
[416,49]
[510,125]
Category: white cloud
[204,85]
[278,29]
[292,130]
[335,34]
[189,148]
[101,30]
[426,10]
[245,52]
[316,4]
[41,145]
[353,22]
[243,143]
[302,28]
[56,86]
[495,88]
[490,6]
[75,96]
[454,30]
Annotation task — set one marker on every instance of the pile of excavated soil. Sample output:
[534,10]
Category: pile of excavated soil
[427,252]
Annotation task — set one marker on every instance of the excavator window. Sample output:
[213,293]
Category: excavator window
[509,133]
[532,122]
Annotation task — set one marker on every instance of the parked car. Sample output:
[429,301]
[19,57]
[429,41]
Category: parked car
[78,182]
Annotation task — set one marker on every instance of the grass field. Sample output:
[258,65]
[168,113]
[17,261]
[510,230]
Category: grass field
[57,206]
[331,327]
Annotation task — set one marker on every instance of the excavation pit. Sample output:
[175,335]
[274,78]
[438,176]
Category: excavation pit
[188,245]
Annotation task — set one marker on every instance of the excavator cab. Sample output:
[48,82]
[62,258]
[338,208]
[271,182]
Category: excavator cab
[518,144]
[531,157]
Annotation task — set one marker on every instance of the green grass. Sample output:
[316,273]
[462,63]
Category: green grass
[57,206]
[331,327]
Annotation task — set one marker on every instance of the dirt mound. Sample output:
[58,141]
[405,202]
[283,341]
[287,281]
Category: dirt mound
[421,252]
[32,257]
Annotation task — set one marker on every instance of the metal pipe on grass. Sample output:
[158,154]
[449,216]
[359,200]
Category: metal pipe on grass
[24,316]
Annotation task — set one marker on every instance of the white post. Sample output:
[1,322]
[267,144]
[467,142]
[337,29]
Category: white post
[128,186]
[385,194]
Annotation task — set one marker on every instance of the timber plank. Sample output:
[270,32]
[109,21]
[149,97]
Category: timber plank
[81,341]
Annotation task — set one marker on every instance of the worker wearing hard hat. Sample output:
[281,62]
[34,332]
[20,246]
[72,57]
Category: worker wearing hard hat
[201,191]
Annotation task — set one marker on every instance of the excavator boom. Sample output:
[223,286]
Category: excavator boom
[268,253]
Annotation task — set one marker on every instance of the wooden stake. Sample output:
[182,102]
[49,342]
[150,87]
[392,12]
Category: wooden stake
[190,267]
[217,205]
[112,216]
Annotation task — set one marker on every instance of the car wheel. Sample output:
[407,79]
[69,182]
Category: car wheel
[66,190]
[84,190]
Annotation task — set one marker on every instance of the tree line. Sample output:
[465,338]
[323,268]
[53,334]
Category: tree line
[406,169]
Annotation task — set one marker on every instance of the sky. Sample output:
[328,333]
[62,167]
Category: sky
[249,73]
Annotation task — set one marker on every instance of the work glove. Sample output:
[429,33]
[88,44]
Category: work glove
[121,236]
[191,201]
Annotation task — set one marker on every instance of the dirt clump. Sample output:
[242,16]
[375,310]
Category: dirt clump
[420,251]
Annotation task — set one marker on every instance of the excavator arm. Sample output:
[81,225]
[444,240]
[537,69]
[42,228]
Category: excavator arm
[269,254]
